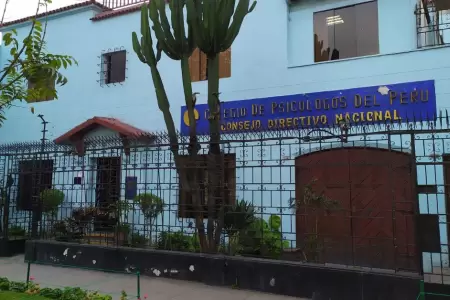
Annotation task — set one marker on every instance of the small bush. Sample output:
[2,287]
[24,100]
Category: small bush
[69,293]
[15,286]
[15,230]
[178,241]
[138,240]
[4,284]
[51,293]
[51,199]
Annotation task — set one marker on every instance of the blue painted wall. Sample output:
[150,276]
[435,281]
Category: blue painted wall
[272,56]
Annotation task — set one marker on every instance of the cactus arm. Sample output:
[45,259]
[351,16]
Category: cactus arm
[206,18]
[212,21]
[190,40]
[137,48]
[187,86]
[145,53]
[176,24]
[241,11]
[252,7]
[194,18]
[213,90]
[162,28]
[226,14]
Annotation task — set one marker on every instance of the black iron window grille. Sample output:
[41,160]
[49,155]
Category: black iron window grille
[113,66]
[433,23]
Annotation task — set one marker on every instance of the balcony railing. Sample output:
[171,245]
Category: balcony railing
[113,4]
[433,23]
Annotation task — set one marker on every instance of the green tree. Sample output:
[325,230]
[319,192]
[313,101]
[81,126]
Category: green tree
[212,26]
[30,62]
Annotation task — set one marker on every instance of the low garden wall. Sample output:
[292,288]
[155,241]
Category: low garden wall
[273,276]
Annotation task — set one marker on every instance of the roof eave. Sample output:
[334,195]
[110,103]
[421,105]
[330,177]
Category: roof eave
[54,14]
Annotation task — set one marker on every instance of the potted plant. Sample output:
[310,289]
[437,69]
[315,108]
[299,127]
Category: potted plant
[123,232]
[51,199]
[16,231]
[151,206]
[237,218]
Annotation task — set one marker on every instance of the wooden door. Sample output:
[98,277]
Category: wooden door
[327,173]
[374,223]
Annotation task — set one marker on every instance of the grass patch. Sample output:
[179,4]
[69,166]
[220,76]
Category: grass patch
[19,296]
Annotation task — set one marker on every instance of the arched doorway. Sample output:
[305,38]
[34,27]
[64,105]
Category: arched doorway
[373,224]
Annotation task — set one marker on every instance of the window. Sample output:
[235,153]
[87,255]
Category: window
[185,201]
[432,21]
[50,95]
[114,65]
[198,65]
[346,32]
[34,177]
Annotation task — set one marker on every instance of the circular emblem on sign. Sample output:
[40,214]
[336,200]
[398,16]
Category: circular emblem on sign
[186,117]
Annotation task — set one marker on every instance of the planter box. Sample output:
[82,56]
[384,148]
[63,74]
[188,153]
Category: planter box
[12,247]
[272,276]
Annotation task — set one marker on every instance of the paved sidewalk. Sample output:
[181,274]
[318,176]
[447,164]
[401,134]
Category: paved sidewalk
[154,288]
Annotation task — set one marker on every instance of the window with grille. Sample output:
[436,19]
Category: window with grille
[186,208]
[34,177]
[114,66]
[198,65]
[433,22]
[40,95]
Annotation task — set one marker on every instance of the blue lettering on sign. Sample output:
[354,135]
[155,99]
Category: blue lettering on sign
[383,103]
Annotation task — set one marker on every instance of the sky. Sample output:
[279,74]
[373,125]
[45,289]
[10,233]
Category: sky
[17,9]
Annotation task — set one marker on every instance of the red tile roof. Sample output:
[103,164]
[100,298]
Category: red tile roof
[59,10]
[116,125]
[117,12]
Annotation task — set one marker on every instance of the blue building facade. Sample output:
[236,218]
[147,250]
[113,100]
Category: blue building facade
[284,48]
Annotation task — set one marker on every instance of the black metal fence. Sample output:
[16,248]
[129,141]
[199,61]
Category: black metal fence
[373,197]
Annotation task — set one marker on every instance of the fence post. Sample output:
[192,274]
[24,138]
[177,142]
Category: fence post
[421,290]
[28,271]
[138,275]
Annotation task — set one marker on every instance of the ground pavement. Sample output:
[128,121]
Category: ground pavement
[151,288]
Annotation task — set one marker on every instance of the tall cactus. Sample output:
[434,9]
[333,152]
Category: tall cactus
[216,24]
[177,47]
[213,25]
[146,54]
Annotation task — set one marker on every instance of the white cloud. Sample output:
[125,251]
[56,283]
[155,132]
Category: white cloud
[17,9]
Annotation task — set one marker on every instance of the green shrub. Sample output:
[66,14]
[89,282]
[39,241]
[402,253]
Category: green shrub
[263,238]
[69,293]
[238,217]
[178,241]
[151,205]
[51,199]
[51,293]
[138,240]
[15,230]
[17,286]
[4,284]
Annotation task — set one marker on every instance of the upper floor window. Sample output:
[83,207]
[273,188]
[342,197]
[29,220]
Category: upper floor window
[433,22]
[346,32]
[40,95]
[114,65]
[198,65]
